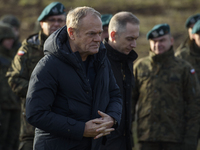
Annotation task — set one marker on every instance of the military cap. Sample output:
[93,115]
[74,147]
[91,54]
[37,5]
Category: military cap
[106,19]
[10,19]
[196,27]
[54,8]
[192,20]
[6,31]
[158,30]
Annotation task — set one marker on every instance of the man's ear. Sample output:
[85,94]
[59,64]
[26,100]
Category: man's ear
[172,40]
[41,24]
[113,35]
[71,33]
[193,36]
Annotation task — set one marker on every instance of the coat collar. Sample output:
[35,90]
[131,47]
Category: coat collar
[117,56]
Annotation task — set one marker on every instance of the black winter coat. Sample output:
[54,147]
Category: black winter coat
[60,99]
[122,66]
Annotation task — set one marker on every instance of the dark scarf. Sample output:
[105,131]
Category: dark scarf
[117,56]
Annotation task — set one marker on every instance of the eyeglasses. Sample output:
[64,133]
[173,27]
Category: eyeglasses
[51,21]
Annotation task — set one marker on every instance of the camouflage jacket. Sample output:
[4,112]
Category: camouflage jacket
[191,53]
[8,100]
[20,71]
[17,44]
[168,101]
[184,44]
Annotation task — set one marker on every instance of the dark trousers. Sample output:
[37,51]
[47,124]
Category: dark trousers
[118,143]
[9,129]
[159,146]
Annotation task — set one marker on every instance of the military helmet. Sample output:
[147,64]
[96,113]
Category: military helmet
[6,31]
[11,20]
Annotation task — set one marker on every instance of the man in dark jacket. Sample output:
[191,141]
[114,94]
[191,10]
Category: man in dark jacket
[123,33]
[73,98]
[51,18]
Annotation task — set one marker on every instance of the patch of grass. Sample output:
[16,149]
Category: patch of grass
[27,2]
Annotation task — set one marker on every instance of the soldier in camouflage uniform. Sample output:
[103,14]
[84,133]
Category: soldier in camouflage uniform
[9,103]
[189,42]
[31,51]
[167,95]
[15,24]
[190,51]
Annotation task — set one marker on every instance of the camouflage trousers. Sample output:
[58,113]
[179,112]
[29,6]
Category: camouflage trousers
[26,145]
[9,129]
[159,146]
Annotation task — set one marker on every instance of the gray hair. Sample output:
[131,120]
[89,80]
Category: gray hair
[75,15]
[119,21]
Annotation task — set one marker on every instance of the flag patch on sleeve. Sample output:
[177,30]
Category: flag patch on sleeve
[192,71]
[20,53]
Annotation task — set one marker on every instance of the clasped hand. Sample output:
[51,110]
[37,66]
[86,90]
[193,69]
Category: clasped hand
[99,127]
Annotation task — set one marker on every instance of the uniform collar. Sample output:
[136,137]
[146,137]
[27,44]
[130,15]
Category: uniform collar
[161,57]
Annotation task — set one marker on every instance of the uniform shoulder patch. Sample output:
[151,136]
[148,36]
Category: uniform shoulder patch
[192,71]
[20,53]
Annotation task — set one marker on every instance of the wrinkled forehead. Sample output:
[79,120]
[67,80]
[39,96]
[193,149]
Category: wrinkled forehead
[91,21]
[90,17]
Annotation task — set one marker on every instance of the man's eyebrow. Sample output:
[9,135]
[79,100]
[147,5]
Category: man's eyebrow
[133,37]
[96,31]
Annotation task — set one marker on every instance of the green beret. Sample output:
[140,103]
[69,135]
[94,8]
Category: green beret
[11,20]
[158,30]
[55,8]
[106,19]
[196,27]
[6,31]
[192,20]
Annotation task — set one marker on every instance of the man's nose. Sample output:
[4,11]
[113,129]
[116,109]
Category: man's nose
[134,44]
[97,37]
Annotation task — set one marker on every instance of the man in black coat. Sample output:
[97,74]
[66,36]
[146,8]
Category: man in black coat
[123,33]
[73,98]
